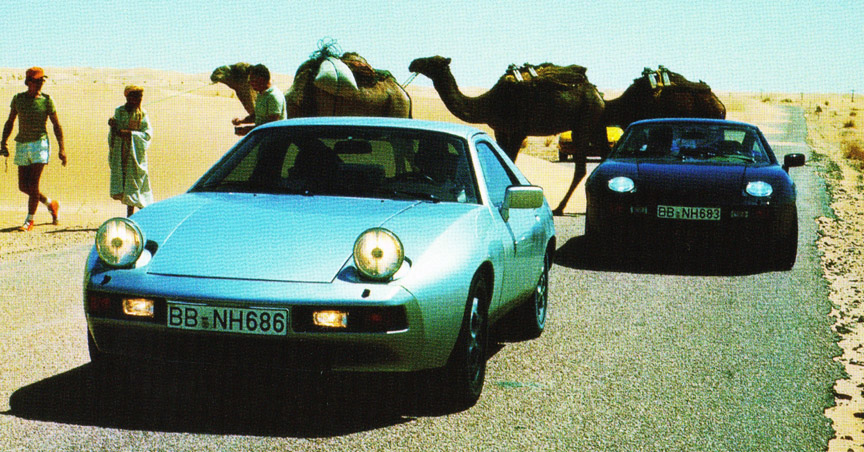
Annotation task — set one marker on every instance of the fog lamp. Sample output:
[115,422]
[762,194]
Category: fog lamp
[138,307]
[330,319]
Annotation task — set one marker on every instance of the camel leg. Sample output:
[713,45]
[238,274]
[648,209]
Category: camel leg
[580,169]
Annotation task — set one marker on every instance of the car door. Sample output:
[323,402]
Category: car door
[521,235]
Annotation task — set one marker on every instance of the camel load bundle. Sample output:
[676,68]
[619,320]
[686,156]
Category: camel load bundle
[343,74]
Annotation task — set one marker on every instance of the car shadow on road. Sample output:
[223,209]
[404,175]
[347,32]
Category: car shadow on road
[235,402]
[577,253]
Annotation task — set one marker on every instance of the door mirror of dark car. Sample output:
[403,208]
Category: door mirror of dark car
[793,160]
[521,197]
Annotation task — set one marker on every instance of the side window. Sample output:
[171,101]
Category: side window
[496,175]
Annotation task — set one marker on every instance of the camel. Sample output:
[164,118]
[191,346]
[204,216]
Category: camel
[663,94]
[545,100]
[377,94]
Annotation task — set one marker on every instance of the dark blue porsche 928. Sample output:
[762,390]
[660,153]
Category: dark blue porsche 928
[697,182]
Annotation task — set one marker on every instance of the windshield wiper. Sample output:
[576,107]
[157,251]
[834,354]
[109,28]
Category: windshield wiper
[412,194]
[746,158]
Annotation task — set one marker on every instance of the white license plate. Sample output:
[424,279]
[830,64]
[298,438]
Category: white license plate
[264,321]
[688,213]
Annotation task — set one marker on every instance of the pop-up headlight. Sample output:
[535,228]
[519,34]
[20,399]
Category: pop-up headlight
[621,184]
[119,242]
[759,189]
[378,254]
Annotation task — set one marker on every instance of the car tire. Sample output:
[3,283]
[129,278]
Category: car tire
[785,250]
[466,369]
[113,369]
[532,313]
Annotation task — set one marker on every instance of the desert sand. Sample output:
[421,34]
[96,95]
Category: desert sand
[192,129]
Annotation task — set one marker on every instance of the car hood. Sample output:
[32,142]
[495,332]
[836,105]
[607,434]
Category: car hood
[267,237]
[691,180]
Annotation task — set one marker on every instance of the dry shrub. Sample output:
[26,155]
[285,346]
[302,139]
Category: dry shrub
[853,150]
[549,141]
[849,124]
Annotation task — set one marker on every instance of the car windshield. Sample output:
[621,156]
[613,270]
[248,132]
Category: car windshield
[347,161]
[693,142]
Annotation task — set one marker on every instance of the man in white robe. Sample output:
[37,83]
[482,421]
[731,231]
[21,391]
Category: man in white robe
[129,141]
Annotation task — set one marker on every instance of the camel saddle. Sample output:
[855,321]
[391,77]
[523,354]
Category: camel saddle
[365,75]
[546,73]
[664,78]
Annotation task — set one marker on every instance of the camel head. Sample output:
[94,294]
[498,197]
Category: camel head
[231,74]
[236,77]
[433,67]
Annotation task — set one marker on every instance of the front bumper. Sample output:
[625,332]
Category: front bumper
[404,344]
[739,226]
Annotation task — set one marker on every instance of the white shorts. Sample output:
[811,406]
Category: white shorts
[32,152]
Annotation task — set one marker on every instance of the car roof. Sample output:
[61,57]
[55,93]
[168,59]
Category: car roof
[695,121]
[451,128]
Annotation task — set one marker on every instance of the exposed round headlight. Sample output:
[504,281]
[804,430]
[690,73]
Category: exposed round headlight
[759,189]
[621,184]
[378,253]
[119,242]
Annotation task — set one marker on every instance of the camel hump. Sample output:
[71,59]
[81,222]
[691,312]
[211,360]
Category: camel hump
[679,81]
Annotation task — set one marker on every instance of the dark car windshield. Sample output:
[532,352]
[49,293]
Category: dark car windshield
[693,142]
[347,161]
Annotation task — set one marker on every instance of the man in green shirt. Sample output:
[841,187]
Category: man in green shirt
[269,104]
[32,148]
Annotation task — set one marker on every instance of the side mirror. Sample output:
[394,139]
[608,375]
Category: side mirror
[793,160]
[521,197]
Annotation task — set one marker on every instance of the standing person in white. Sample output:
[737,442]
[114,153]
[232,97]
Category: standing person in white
[129,141]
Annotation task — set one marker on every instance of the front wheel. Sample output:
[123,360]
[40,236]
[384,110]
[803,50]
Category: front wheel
[785,250]
[466,370]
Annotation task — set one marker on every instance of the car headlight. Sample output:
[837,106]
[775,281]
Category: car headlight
[378,254]
[119,242]
[759,189]
[622,184]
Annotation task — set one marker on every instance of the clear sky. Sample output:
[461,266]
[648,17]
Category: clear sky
[737,45]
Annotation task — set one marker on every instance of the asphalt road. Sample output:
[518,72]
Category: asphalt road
[675,354]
